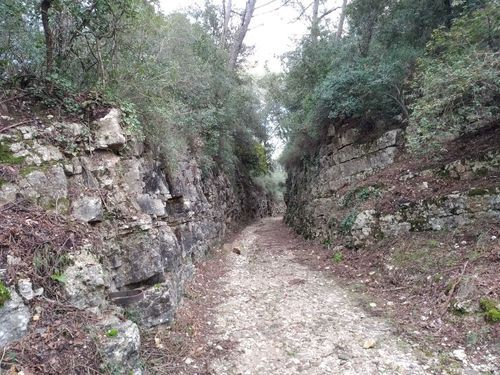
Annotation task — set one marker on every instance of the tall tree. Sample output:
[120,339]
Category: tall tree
[237,44]
[45,6]
[319,11]
[226,9]
[340,27]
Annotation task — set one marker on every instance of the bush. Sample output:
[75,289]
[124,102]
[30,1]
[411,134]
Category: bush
[167,74]
[458,81]
[273,183]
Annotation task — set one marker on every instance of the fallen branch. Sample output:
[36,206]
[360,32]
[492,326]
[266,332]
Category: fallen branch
[13,98]
[15,125]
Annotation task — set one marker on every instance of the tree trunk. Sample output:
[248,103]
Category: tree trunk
[449,13]
[241,33]
[315,20]
[227,17]
[340,28]
[368,34]
[49,39]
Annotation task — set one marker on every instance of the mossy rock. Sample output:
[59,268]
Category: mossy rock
[419,224]
[491,311]
[7,157]
[4,294]
[478,192]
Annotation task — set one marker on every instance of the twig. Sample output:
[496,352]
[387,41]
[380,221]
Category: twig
[15,125]
[397,288]
[453,287]
[1,359]
[13,98]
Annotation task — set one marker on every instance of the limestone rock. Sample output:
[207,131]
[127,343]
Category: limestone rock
[156,306]
[14,318]
[88,209]
[363,225]
[50,185]
[8,193]
[48,153]
[119,343]
[369,344]
[85,281]
[25,289]
[465,299]
[151,206]
[109,134]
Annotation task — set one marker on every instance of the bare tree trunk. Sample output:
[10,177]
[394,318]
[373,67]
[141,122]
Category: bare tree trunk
[315,20]
[227,16]
[49,38]
[340,28]
[449,13]
[241,33]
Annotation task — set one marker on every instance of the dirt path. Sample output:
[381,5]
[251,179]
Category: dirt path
[284,318]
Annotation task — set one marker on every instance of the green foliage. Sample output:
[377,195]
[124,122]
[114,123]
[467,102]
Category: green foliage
[491,310]
[4,294]
[132,315]
[347,222]
[7,157]
[113,332]
[49,264]
[338,257]
[359,195]
[59,277]
[365,77]
[458,80]
[166,73]
[273,183]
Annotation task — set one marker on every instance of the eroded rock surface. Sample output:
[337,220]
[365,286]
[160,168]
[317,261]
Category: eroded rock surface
[14,319]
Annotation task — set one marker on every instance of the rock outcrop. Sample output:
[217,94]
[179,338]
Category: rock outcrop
[15,316]
[151,225]
[324,195]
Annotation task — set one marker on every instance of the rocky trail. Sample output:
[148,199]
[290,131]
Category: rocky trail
[278,316]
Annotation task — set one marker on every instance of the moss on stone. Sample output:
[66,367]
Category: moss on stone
[478,192]
[61,205]
[418,224]
[4,294]
[491,311]
[7,157]
[347,222]
[481,172]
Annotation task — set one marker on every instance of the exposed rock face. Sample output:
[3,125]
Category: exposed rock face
[317,208]
[14,316]
[85,281]
[119,342]
[109,134]
[346,158]
[151,225]
[88,209]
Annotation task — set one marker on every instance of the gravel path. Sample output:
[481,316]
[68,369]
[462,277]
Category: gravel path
[284,318]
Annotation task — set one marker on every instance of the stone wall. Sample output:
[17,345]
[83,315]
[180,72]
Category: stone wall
[153,225]
[344,159]
[328,198]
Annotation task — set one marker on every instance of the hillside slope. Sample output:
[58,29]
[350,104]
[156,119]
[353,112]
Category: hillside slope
[420,232]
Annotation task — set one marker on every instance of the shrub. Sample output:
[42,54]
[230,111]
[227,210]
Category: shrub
[4,294]
[458,81]
[347,222]
[273,183]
